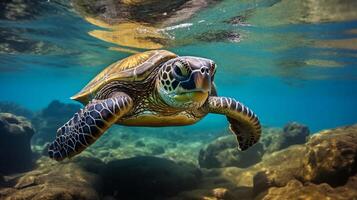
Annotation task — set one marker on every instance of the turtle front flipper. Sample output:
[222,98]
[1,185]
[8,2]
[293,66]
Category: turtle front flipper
[243,122]
[87,125]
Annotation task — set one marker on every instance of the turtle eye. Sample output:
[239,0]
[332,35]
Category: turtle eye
[181,69]
[212,69]
[178,70]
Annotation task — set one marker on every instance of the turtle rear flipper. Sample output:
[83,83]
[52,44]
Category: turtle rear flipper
[87,125]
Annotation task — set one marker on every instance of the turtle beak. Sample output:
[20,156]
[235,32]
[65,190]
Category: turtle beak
[200,81]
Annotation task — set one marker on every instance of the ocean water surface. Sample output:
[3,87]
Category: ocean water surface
[284,69]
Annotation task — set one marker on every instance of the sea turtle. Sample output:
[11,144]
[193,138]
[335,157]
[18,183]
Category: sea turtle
[153,88]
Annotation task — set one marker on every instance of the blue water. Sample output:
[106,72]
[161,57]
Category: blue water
[284,71]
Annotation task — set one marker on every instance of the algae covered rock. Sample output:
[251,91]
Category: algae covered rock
[223,152]
[292,133]
[275,170]
[52,180]
[148,178]
[15,148]
[89,178]
[297,190]
[322,168]
[329,157]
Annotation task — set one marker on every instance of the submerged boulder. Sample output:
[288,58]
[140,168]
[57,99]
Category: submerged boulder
[89,178]
[148,178]
[276,169]
[223,152]
[292,133]
[325,167]
[297,190]
[15,148]
[329,157]
[52,180]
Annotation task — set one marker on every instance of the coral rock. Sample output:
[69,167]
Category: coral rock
[223,152]
[65,181]
[292,133]
[328,158]
[331,156]
[297,190]
[15,148]
[147,178]
[222,193]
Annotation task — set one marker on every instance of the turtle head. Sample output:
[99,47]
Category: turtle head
[185,82]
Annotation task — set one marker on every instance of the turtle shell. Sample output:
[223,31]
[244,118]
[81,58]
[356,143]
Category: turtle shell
[133,68]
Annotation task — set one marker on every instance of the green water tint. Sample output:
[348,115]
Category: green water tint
[262,53]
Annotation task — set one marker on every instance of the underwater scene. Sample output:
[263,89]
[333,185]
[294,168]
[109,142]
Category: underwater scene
[182,99]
